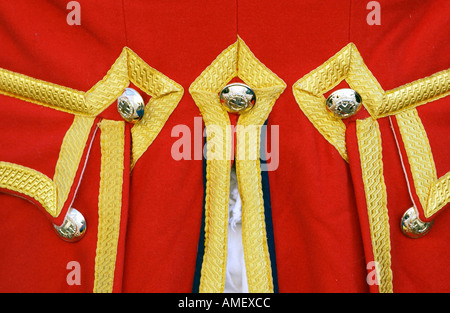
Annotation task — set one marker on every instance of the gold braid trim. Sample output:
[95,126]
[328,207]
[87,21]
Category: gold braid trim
[29,182]
[236,60]
[109,203]
[165,95]
[370,151]
[439,194]
[40,92]
[205,91]
[72,149]
[432,192]
[51,194]
[89,103]
[416,93]
[309,92]
[267,87]
[348,65]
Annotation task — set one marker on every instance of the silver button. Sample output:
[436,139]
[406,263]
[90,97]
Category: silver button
[412,226]
[73,228]
[344,102]
[237,98]
[131,105]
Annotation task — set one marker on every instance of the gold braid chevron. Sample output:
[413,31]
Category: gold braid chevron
[236,60]
[369,144]
[109,203]
[309,92]
[165,95]
[85,106]
[348,65]
[432,192]
[51,194]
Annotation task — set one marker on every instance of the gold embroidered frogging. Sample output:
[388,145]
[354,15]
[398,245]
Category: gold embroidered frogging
[432,192]
[348,65]
[236,60]
[165,95]
[51,194]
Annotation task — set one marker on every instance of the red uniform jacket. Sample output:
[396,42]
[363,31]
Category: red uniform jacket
[322,202]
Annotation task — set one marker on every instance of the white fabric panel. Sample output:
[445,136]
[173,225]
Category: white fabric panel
[236,278]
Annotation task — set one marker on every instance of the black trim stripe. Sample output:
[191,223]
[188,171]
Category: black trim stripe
[268,208]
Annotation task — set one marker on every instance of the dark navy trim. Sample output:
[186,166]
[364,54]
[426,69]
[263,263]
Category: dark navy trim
[268,208]
[267,215]
[201,241]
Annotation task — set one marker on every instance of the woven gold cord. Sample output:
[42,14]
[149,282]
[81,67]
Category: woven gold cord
[416,93]
[309,92]
[205,90]
[51,194]
[267,87]
[72,149]
[109,203]
[29,182]
[348,65]
[432,192]
[370,151]
[41,92]
[66,99]
[439,194]
[165,95]
[236,60]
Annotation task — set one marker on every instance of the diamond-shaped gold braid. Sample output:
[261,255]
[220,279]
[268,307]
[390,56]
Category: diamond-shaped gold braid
[165,95]
[236,60]
[348,64]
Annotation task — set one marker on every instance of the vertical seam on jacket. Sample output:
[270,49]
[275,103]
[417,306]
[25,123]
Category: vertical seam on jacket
[237,18]
[349,20]
[124,23]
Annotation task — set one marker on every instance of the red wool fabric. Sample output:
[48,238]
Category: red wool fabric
[319,211]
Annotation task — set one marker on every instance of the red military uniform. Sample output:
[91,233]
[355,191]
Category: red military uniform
[323,216]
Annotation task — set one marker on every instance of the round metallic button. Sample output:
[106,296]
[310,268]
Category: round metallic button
[131,105]
[237,98]
[412,226]
[344,102]
[73,228]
